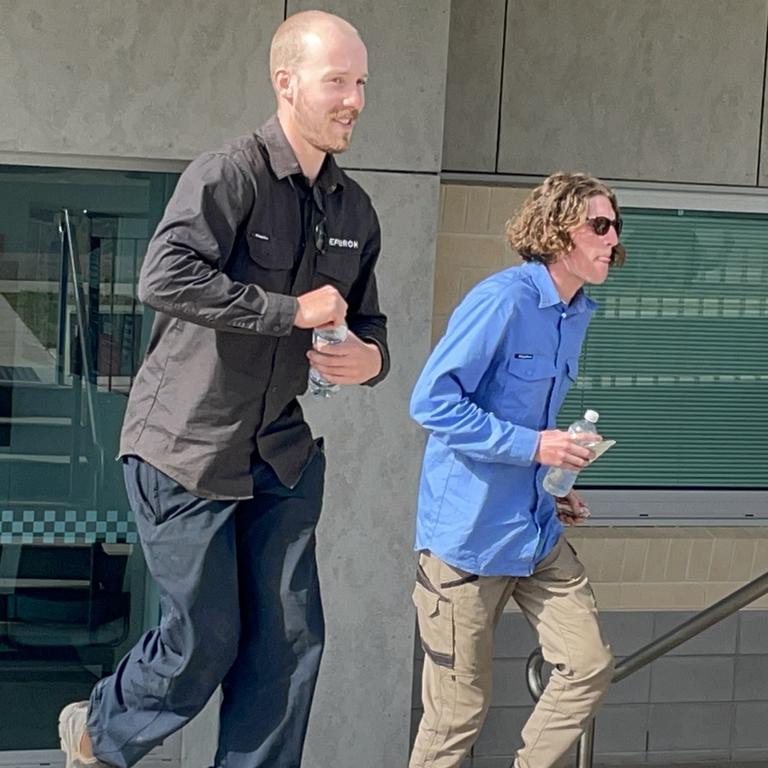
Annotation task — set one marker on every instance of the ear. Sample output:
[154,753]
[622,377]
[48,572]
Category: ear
[282,82]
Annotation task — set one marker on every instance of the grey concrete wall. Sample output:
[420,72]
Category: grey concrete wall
[402,128]
[473,86]
[655,90]
[133,79]
[367,567]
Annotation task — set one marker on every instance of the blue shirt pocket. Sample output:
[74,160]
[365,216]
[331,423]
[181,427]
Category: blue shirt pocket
[525,388]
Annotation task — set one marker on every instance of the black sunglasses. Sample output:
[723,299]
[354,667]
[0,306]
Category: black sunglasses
[601,224]
[321,236]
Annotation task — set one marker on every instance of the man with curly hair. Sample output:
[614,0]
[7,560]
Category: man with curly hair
[486,530]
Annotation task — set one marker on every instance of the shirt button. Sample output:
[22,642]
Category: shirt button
[564,315]
[276,327]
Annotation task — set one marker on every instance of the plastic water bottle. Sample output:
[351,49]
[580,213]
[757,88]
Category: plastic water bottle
[321,337]
[559,481]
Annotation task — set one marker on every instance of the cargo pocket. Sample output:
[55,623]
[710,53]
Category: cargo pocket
[435,617]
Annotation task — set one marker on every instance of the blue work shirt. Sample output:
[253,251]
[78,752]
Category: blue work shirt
[495,380]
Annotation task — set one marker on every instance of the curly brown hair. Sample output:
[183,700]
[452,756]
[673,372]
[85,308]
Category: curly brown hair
[541,229]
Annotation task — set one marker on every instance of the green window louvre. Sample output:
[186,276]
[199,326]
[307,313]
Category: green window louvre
[676,357]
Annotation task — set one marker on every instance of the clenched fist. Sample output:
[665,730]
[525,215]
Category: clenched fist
[322,308]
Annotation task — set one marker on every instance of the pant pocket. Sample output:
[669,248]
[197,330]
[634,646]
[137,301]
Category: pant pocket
[436,625]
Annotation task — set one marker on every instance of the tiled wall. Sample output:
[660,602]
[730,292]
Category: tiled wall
[670,568]
[470,242]
[708,700]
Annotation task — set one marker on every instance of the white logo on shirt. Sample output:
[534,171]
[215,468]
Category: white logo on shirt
[343,243]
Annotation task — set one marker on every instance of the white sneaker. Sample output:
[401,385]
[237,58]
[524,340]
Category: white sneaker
[71,729]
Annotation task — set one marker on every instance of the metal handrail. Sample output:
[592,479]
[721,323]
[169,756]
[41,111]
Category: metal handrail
[648,653]
[90,377]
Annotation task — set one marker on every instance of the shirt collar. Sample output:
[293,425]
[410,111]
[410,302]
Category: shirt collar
[283,161]
[548,295]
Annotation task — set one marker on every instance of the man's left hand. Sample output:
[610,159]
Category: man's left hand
[571,509]
[354,361]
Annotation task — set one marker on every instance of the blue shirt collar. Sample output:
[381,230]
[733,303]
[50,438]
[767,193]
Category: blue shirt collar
[548,295]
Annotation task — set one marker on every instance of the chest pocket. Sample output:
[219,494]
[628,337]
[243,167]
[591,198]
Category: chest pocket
[525,388]
[268,263]
[338,267]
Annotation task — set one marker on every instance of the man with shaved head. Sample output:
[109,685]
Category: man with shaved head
[261,242]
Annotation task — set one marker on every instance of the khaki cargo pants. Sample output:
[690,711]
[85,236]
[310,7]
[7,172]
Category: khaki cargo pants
[457,613]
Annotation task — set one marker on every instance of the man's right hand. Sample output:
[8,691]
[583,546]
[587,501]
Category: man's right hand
[323,307]
[558,448]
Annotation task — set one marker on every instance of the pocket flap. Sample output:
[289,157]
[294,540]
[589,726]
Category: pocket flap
[530,369]
[341,264]
[426,601]
[270,254]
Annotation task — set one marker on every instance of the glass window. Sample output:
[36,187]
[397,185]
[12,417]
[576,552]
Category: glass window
[676,358]
[73,592]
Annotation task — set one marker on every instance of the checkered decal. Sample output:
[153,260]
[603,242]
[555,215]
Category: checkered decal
[69,526]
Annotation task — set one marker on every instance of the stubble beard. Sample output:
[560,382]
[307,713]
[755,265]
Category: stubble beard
[319,137]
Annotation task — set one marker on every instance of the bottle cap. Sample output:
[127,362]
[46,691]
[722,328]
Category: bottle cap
[591,415]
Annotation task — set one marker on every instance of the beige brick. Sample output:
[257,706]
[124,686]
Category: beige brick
[446,296]
[439,323]
[443,196]
[717,590]
[613,560]
[761,557]
[760,604]
[608,596]
[684,597]
[505,203]
[699,560]
[590,553]
[510,258]
[469,277]
[674,596]
[635,552]
[580,532]
[741,563]
[454,208]
[638,597]
[478,210]
[457,251]
[722,554]
[677,562]
[656,560]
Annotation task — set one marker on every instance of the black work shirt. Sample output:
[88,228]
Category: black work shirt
[218,386]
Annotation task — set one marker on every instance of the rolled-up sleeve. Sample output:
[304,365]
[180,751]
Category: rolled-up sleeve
[182,273]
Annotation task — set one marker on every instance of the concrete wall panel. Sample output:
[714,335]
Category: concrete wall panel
[133,79]
[362,707]
[660,90]
[473,87]
[402,127]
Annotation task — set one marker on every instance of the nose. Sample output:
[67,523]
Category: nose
[611,237]
[355,98]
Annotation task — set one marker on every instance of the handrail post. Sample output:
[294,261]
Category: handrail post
[89,378]
[585,749]
[62,307]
